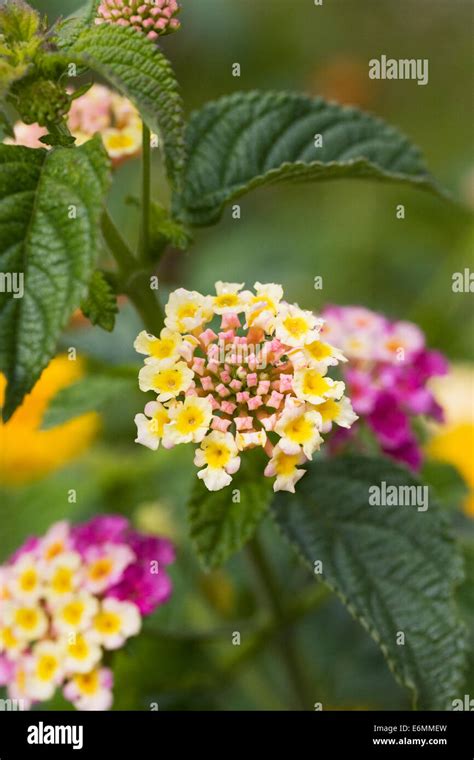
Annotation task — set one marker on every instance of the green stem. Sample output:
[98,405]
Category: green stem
[271,589]
[135,281]
[146,193]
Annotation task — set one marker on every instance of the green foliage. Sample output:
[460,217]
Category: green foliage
[247,140]
[20,39]
[395,569]
[68,30]
[134,65]
[164,230]
[53,252]
[221,526]
[87,395]
[100,306]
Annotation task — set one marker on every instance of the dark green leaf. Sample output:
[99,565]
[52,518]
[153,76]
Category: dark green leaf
[87,395]
[251,139]
[50,205]
[100,306]
[223,521]
[394,567]
[134,65]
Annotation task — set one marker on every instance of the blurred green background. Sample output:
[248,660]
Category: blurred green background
[346,232]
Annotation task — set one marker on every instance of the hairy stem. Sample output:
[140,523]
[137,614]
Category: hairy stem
[271,589]
[135,281]
[146,193]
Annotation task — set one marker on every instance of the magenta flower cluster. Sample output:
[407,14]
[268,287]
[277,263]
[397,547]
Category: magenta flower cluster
[138,583]
[70,596]
[386,376]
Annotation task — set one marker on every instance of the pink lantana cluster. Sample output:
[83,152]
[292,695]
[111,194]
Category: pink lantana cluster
[68,597]
[151,17]
[98,110]
[256,377]
[387,375]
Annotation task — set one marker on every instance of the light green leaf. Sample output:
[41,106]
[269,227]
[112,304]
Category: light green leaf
[394,567]
[136,67]
[252,139]
[87,395]
[223,521]
[68,30]
[50,206]
[100,306]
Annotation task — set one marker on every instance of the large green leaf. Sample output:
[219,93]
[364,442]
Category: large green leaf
[394,567]
[251,139]
[137,67]
[50,205]
[223,521]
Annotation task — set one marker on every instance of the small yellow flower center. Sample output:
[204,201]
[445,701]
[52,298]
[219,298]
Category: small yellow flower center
[78,649]
[226,300]
[73,612]
[8,639]
[162,348]
[319,350]
[328,410]
[286,464]
[189,420]
[168,380]
[296,326]
[187,311]
[28,580]
[87,683]
[100,569]
[27,618]
[299,430]
[62,580]
[217,455]
[54,550]
[158,421]
[46,667]
[119,141]
[315,384]
[107,623]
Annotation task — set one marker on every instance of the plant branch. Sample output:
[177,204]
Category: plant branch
[285,639]
[135,282]
[146,193]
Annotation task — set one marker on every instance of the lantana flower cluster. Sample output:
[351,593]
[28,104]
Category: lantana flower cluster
[256,377]
[154,18]
[387,375]
[69,597]
[98,110]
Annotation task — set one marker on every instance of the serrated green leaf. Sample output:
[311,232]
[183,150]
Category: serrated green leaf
[134,65]
[68,29]
[394,567]
[251,139]
[100,306]
[53,252]
[221,526]
[87,395]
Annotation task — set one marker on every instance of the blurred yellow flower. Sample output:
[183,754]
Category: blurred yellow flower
[453,442]
[28,453]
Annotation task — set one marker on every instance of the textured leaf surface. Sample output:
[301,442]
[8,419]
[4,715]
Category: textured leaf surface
[219,525]
[251,139]
[136,67]
[100,306]
[394,567]
[54,252]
